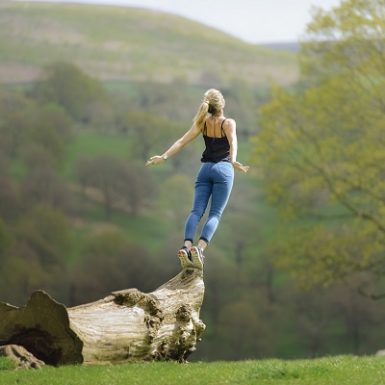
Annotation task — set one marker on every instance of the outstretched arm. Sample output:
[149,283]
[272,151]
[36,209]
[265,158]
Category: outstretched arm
[190,135]
[230,129]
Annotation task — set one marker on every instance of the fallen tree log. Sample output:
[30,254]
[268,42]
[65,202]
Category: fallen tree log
[127,325]
[21,357]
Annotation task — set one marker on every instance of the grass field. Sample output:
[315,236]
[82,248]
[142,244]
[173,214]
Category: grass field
[91,144]
[339,370]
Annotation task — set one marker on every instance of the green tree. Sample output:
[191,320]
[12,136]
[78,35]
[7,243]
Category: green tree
[5,238]
[320,150]
[150,132]
[46,231]
[110,262]
[41,184]
[244,330]
[136,187]
[175,199]
[10,204]
[15,111]
[33,255]
[25,125]
[125,185]
[81,95]
[49,131]
[104,173]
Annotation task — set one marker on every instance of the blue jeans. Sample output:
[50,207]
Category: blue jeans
[214,180]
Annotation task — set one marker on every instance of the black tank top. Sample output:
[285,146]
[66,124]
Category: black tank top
[217,149]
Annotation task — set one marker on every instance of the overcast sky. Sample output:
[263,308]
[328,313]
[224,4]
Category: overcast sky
[256,21]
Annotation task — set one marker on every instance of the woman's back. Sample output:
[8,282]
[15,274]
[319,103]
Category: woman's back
[217,146]
[213,127]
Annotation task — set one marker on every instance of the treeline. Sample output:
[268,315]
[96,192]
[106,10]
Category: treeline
[82,223]
[320,152]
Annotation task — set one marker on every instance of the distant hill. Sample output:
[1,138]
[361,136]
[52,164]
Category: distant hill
[286,46]
[121,43]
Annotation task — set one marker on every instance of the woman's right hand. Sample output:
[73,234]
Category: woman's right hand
[240,167]
[157,159]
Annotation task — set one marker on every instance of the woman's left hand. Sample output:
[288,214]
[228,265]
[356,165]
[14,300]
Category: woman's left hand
[157,159]
[240,167]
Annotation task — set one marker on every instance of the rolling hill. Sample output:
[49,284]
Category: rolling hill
[121,43]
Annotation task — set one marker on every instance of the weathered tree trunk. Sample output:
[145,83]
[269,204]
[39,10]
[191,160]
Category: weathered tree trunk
[21,357]
[127,325]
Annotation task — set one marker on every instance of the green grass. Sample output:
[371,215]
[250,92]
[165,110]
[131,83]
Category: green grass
[91,144]
[5,364]
[340,370]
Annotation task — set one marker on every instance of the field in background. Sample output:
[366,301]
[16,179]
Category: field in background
[128,43]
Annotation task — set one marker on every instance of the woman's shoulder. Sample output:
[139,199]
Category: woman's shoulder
[229,123]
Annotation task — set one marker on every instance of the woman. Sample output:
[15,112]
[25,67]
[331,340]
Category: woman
[215,177]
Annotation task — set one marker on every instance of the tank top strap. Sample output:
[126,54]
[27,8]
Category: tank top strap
[222,131]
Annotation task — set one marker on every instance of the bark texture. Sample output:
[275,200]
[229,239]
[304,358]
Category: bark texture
[22,358]
[127,325]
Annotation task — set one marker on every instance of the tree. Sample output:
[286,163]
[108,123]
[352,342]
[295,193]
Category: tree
[175,199]
[46,230]
[123,184]
[15,110]
[41,184]
[52,127]
[105,174]
[5,238]
[320,149]
[136,187]
[108,263]
[243,331]
[10,205]
[150,132]
[78,93]
[35,249]
[25,124]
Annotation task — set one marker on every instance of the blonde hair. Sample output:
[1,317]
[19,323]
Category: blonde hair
[213,102]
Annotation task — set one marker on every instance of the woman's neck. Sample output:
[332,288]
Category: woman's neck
[218,115]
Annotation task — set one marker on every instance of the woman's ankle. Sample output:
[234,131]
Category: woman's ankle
[202,244]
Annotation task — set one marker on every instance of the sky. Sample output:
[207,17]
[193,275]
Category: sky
[255,21]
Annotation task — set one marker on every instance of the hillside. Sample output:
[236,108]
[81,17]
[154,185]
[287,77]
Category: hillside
[120,43]
[284,46]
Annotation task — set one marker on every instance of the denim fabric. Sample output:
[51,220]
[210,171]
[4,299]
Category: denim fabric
[214,180]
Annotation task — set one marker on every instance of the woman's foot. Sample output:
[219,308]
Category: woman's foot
[184,256]
[197,257]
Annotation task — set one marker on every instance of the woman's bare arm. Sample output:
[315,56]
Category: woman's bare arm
[230,129]
[190,135]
